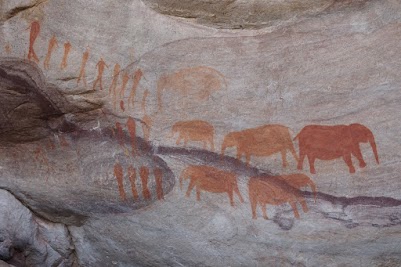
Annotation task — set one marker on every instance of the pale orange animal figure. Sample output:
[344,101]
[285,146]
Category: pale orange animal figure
[263,191]
[113,86]
[132,178]
[137,78]
[144,173]
[82,74]
[35,30]
[64,62]
[298,181]
[144,98]
[100,69]
[196,130]
[261,141]
[119,174]
[201,81]
[52,44]
[212,180]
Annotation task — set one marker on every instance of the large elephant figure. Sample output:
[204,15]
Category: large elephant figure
[201,81]
[331,142]
[261,141]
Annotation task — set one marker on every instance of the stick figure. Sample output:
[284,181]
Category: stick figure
[100,68]
[118,172]
[113,86]
[35,30]
[137,77]
[52,43]
[67,48]
[85,57]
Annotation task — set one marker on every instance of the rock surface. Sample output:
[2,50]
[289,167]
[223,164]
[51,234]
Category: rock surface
[109,110]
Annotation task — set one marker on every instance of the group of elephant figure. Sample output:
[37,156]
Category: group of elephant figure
[263,190]
[315,141]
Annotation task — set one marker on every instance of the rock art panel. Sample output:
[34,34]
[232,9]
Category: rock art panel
[261,141]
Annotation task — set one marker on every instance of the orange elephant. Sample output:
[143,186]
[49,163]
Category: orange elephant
[195,130]
[212,180]
[331,142]
[264,191]
[261,141]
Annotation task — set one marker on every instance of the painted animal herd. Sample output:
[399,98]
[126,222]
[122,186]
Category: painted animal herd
[315,142]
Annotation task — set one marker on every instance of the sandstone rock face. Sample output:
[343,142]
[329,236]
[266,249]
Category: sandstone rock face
[156,133]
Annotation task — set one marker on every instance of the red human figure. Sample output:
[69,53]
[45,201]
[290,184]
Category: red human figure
[122,105]
[132,132]
[113,86]
[120,134]
[144,98]
[144,173]
[146,127]
[132,178]
[137,77]
[124,85]
[35,30]
[52,44]
[67,48]
[100,69]
[85,57]
[118,172]
[159,183]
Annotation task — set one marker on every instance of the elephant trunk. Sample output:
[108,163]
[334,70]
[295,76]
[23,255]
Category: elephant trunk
[374,148]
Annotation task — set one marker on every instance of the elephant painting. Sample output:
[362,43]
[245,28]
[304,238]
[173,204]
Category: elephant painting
[201,81]
[261,141]
[212,180]
[265,191]
[331,142]
[195,130]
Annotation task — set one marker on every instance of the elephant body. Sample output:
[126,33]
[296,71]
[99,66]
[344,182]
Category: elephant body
[261,141]
[201,81]
[195,130]
[331,142]
[264,191]
[212,180]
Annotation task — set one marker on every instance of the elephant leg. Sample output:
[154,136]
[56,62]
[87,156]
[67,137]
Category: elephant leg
[294,209]
[238,193]
[204,144]
[231,196]
[304,206]
[197,193]
[301,160]
[264,212]
[357,153]
[284,158]
[247,159]
[348,160]
[178,140]
[311,160]
[190,187]
[211,144]
[254,203]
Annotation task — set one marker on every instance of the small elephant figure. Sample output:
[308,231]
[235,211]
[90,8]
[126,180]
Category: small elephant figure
[331,142]
[212,180]
[298,180]
[195,130]
[267,190]
[261,141]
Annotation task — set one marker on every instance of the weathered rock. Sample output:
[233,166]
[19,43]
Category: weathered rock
[93,96]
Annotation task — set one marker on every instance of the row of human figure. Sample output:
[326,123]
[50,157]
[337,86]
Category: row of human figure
[263,190]
[117,92]
[144,175]
[315,141]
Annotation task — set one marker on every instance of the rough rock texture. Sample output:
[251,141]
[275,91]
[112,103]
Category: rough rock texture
[106,106]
